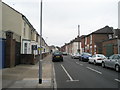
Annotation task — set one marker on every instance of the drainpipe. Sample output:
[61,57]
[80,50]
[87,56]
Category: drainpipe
[118,46]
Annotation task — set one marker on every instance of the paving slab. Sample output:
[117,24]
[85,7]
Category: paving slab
[26,76]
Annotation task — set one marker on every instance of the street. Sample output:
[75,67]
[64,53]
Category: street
[72,73]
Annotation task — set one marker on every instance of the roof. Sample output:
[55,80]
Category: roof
[78,39]
[12,8]
[104,30]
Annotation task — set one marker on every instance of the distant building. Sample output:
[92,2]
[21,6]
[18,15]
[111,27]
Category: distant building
[74,46]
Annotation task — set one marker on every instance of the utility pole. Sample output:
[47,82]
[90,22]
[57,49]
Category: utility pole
[78,39]
[40,61]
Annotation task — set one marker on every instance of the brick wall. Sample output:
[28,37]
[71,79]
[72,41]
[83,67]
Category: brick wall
[112,42]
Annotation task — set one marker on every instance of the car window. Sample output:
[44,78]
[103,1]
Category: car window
[111,57]
[94,56]
[115,57]
[56,53]
[118,56]
[102,56]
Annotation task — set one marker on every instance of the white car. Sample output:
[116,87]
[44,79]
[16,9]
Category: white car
[97,59]
[75,56]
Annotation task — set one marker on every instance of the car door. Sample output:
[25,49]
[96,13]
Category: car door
[108,61]
[114,61]
[93,58]
[119,59]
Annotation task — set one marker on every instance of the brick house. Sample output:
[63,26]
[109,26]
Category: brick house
[92,43]
[112,46]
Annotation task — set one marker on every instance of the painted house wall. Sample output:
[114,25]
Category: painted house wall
[11,20]
[119,14]
[75,47]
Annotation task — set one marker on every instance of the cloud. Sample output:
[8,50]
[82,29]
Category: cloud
[61,17]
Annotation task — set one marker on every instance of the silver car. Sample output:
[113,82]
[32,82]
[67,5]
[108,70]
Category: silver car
[75,56]
[112,62]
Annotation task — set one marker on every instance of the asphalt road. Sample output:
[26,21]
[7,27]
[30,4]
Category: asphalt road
[72,73]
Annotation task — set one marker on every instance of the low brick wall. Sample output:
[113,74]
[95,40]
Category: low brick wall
[31,59]
[27,59]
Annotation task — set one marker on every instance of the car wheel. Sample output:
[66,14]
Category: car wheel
[79,59]
[94,62]
[103,64]
[117,68]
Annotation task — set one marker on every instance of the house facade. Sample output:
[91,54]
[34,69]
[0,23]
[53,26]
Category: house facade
[74,46]
[20,37]
[92,43]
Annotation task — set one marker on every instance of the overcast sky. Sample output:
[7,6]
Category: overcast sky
[61,17]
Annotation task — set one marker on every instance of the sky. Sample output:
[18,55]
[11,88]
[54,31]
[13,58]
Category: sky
[62,17]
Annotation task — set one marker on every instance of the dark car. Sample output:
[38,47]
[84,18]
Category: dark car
[85,57]
[57,56]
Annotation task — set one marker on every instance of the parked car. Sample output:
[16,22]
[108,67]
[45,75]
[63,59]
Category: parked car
[65,53]
[85,56]
[113,62]
[97,59]
[75,56]
[57,56]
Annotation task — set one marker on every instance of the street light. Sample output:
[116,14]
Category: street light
[40,61]
[78,38]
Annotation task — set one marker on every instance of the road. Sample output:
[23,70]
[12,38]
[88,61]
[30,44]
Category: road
[72,73]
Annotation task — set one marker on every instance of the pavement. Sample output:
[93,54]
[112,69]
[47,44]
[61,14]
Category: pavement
[27,76]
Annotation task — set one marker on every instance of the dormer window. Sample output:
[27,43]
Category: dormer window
[110,36]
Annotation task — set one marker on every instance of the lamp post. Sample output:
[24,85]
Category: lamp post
[40,61]
[78,38]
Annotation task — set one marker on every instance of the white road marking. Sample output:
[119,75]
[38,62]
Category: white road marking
[71,79]
[117,80]
[79,63]
[94,70]
[54,78]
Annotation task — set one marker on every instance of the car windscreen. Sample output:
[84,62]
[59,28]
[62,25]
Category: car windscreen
[102,56]
[57,53]
[87,54]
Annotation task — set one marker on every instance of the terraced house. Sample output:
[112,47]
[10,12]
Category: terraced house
[20,40]
[105,41]
[93,41]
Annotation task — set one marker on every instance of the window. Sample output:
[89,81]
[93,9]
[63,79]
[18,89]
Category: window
[24,28]
[94,56]
[90,39]
[111,57]
[95,49]
[91,49]
[116,57]
[85,40]
[110,36]
[25,48]
[119,57]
